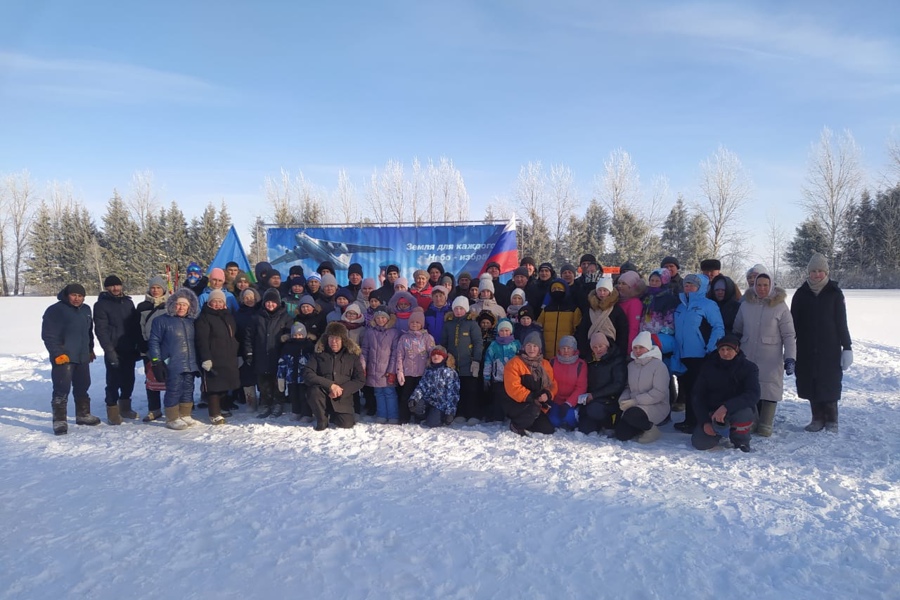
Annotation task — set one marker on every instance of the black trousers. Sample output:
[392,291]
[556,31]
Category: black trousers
[339,411]
[71,377]
[632,423]
[119,380]
[268,387]
[299,404]
[527,415]
[686,383]
[403,394]
[469,406]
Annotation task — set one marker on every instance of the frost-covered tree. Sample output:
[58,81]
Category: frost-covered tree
[205,236]
[675,231]
[120,240]
[17,203]
[587,235]
[258,245]
[725,188]
[808,238]
[176,245]
[532,201]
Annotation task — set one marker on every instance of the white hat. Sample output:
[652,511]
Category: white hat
[605,283]
[461,301]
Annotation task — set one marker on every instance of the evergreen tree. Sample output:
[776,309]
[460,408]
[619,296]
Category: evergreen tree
[176,245]
[697,245]
[205,237]
[675,237]
[152,254]
[44,273]
[887,209]
[809,238]
[588,235]
[860,246]
[258,244]
[120,241]
[633,241]
[224,220]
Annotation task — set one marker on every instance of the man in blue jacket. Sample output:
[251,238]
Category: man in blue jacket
[68,334]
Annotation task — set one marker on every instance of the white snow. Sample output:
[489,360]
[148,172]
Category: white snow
[274,509]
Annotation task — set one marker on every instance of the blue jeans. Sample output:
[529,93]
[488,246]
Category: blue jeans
[179,389]
[386,406]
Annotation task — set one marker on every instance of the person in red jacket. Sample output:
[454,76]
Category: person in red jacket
[570,373]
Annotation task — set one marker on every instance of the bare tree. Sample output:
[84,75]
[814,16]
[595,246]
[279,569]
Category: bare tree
[294,201]
[777,241]
[725,188]
[345,198]
[17,203]
[833,181]
[563,198]
[142,198]
[893,151]
[532,199]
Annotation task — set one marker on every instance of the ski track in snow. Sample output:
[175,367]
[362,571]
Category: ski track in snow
[273,509]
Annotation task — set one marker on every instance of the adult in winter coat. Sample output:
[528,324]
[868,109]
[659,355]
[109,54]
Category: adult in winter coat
[174,356]
[604,316]
[645,401]
[250,304]
[437,394]
[530,386]
[68,334]
[195,280]
[333,374]
[118,331]
[658,317]
[500,292]
[724,292]
[559,318]
[269,328]
[631,290]
[421,289]
[698,326]
[570,373]
[217,352]
[461,337]
[153,305]
[607,378]
[379,359]
[436,313]
[217,282]
[823,343]
[486,300]
[766,329]
[725,396]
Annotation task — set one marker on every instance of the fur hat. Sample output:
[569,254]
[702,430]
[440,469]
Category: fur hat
[215,295]
[298,328]
[461,301]
[711,264]
[818,262]
[111,280]
[487,315]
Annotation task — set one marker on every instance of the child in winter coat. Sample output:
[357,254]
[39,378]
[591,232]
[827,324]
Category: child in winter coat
[342,300]
[354,320]
[570,373]
[527,325]
[269,328]
[437,394]
[312,318]
[504,347]
[413,349]
[294,357]
[516,301]
[462,338]
[379,351]
[401,306]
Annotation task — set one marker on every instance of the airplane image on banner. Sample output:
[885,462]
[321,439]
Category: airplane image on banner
[339,253]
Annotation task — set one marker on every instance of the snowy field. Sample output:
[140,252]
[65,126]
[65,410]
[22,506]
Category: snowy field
[276,510]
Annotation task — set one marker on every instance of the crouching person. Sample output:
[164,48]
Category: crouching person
[607,378]
[334,373]
[529,385]
[437,394]
[725,395]
[174,358]
[645,402]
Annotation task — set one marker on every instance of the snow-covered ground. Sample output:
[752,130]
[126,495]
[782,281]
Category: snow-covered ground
[274,509]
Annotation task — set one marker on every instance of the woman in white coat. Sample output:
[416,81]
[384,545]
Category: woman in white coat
[766,328]
[645,402]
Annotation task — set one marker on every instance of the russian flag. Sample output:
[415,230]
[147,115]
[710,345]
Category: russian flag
[506,249]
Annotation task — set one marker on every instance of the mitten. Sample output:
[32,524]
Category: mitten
[248,360]
[390,378]
[62,359]
[475,366]
[281,385]
[401,379]
[626,404]
[284,337]
[112,358]
[789,366]
[160,371]
[846,359]
[206,365]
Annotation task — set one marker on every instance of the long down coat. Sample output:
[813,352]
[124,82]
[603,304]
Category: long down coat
[767,338]
[215,336]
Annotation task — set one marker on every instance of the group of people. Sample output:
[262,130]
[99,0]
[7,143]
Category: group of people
[579,350]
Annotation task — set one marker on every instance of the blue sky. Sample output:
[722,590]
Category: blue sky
[213,99]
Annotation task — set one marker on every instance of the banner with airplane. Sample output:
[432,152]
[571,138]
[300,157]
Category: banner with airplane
[458,247]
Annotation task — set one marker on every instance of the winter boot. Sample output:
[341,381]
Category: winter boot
[215,414]
[173,419]
[113,415]
[152,415]
[265,411]
[60,425]
[830,412]
[154,406]
[649,436]
[250,396]
[83,414]
[766,418]
[277,410]
[125,409]
[818,419]
[184,410]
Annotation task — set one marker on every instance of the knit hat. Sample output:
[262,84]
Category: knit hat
[493,263]
[627,267]
[344,293]
[355,268]
[357,307]
[527,261]
[485,283]
[369,282]
[546,265]
[669,260]
[273,272]
[630,278]
[605,283]
[391,268]
[272,295]
[242,277]
[215,295]
[194,268]
[533,338]
[692,279]
[523,271]
[730,340]
[438,350]
[663,275]
[417,316]
[329,279]
[298,328]
[518,292]
[589,258]
[464,275]
[567,267]
[644,340]
[461,301]
[325,265]
[711,264]
[314,277]
[818,262]
[74,288]
[295,270]
[504,325]
[111,280]
[568,341]
[420,272]
[381,311]
[306,299]
[599,339]
[157,280]
[253,292]
[297,280]
[436,265]
[440,290]
[401,281]
[526,311]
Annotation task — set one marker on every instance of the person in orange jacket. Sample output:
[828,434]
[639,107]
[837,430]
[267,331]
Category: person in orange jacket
[529,385]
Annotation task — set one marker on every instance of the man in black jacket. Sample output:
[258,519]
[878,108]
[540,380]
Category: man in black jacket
[68,334]
[725,395]
[334,373]
[118,330]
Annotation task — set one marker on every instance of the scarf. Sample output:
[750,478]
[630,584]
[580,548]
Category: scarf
[505,339]
[536,365]
[567,360]
[816,287]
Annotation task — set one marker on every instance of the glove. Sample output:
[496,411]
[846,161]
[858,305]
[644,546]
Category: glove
[626,404]
[112,358]
[284,337]
[475,366]
[62,359]
[391,378]
[206,365]
[846,359]
[790,366]
[401,379]
[160,370]
[281,385]
[248,360]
